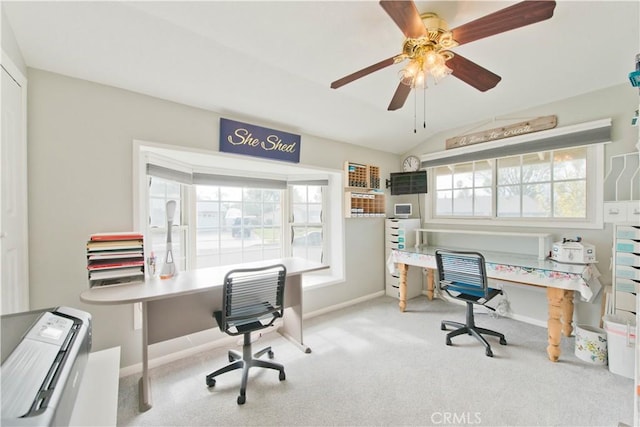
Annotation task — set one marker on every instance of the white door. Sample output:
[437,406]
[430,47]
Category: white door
[14,265]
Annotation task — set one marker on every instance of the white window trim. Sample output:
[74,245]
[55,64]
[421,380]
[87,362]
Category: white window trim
[335,257]
[595,200]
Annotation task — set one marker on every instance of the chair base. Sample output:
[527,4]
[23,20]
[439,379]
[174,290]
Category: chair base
[470,328]
[245,361]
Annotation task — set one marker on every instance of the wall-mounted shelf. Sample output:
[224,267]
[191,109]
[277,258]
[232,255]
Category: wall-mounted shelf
[363,196]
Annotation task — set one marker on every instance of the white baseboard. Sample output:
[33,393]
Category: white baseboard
[343,305]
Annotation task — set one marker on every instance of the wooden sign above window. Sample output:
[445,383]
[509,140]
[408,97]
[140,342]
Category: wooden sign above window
[252,140]
[535,125]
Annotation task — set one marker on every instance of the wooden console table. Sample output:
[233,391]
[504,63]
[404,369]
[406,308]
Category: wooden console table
[560,280]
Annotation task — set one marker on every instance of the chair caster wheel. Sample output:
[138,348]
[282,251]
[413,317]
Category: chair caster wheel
[448,341]
[282,376]
[211,382]
[489,353]
[270,353]
[503,341]
[241,399]
[231,359]
[443,327]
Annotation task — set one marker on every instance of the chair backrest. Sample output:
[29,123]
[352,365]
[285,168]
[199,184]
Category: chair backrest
[463,272]
[253,298]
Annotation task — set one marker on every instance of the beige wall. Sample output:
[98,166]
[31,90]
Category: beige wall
[80,182]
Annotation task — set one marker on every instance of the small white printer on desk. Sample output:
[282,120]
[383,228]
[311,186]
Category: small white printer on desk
[573,251]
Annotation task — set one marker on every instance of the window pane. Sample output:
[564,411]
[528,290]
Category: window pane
[509,201]
[206,192]
[300,213]
[536,167]
[570,164]
[570,199]
[314,193]
[444,203]
[444,178]
[463,175]
[231,193]
[463,202]
[509,170]
[299,193]
[536,200]
[482,202]
[483,174]
[307,243]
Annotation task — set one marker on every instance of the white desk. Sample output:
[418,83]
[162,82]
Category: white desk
[185,304]
[560,280]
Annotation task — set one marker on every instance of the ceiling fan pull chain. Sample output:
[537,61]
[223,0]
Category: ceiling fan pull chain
[424,107]
[415,107]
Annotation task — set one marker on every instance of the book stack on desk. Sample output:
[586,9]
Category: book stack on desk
[115,258]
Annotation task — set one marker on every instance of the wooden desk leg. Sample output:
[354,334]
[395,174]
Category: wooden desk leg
[567,313]
[402,286]
[144,387]
[292,320]
[555,298]
[429,284]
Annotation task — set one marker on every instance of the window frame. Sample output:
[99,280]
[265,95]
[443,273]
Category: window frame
[176,157]
[594,201]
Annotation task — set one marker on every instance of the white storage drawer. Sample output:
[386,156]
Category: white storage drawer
[626,245]
[627,285]
[396,245]
[627,272]
[615,211]
[627,258]
[628,232]
[625,301]
[394,233]
[633,211]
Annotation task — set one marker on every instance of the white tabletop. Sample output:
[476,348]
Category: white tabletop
[186,282]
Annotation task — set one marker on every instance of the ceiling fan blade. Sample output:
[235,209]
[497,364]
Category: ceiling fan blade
[473,74]
[512,17]
[406,16]
[365,71]
[402,92]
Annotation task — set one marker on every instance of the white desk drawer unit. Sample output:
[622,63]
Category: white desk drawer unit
[400,234]
[625,211]
[626,278]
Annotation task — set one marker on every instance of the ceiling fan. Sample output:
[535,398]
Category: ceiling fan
[428,43]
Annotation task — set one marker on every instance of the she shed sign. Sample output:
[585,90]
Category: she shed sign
[252,140]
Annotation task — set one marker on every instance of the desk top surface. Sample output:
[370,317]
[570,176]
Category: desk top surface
[186,282]
[511,259]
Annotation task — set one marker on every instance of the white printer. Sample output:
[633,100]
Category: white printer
[573,251]
[44,353]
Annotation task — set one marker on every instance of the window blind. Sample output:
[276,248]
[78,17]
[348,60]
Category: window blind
[201,178]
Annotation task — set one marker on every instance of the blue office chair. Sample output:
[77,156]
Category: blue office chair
[253,298]
[462,275]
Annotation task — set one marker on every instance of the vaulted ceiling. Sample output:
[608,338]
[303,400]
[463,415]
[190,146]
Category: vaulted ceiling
[271,62]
